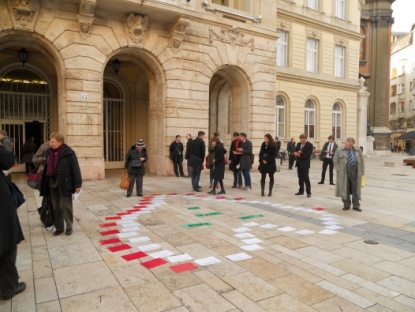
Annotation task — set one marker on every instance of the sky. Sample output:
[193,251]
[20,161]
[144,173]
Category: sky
[403,13]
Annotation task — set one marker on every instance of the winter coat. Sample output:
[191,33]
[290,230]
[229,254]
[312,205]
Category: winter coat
[268,153]
[197,150]
[233,158]
[219,159]
[290,148]
[39,157]
[133,164]
[246,157]
[68,173]
[325,150]
[303,161]
[10,230]
[186,156]
[277,149]
[340,163]
[28,151]
[176,151]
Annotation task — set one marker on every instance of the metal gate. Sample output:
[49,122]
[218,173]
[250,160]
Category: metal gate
[114,132]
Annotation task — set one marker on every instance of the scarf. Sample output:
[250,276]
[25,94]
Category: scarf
[53,161]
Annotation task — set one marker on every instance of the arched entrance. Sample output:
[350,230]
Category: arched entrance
[229,101]
[133,107]
[28,89]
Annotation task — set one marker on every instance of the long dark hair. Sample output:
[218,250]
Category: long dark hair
[271,141]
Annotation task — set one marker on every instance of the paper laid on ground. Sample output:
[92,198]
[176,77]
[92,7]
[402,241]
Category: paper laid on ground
[241,229]
[333,227]
[179,258]
[139,239]
[127,234]
[130,229]
[250,224]
[239,257]
[286,229]
[149,247]
[305,232]
[328,232]
[328,218]
[252,247]
[330,222]
[207,261]
[130,217]
[244,235]
[127,222]
[268,226]
[251,241]
[161,254]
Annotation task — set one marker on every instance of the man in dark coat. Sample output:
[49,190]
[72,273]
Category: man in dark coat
[326,156]
[303,152]
[290,151]
[134,163]
[176,156]
[234,161]
[61,179]
[197,150]
[10,233]
[245,163]
[219,162]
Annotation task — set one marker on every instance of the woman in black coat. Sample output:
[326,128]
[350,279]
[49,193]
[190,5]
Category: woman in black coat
[219,163]
[134,163]
[10,233]
[267,164]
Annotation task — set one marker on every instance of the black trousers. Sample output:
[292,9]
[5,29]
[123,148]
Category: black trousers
[303,178]
[291,160]
[178,168]
[8,273]
[327,162]
[352,188]
[138,181]
[62,207]
[237,178]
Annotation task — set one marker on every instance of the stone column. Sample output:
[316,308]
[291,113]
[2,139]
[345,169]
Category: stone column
[363,96]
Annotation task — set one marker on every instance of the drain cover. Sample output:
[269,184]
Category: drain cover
[371,242]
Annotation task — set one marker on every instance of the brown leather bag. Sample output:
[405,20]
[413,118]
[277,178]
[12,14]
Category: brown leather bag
[125,182]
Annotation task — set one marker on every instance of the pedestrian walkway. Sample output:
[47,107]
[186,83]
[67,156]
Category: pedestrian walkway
[175,250]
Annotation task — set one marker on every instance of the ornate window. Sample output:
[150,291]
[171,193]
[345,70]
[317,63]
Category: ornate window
[339,61]
[337,121]
[309,119]
[313,4]
[393,108]
[312,55]
[282,49]
[341,9]
[280,117]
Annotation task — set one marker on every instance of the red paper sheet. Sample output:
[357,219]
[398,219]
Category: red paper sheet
[318,208]
[239,198]
[119,248]
[109,241]
[190,194]
[105,233]
[189,266]
[220,197]
[134,210]
[123,213]
[135,256]
[113,218]
[153,263]
[140,206]
[171,193]
[108,224]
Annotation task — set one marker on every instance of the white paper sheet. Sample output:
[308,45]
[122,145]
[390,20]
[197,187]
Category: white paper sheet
[161,254]
[207,261]
[305,232]
[328,232]
[286,229]
[251,241]
[127,234]
[179,258]
[126,223]
[252,247]
[239,257]
[268,226]
[241,229]
[149,247]
[130,229]
[250,224]
[333,227]
[139,239]
[330,222]
[244,235]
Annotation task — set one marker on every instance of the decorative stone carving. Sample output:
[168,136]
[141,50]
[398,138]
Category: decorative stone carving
[179,31]
[231,36]
[136,27]
[24,13]
[86,16]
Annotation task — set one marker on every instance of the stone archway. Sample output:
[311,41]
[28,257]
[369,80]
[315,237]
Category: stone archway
[229,102]
[141,80]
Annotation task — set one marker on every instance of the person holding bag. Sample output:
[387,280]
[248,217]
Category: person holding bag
[10,232]
[134,163]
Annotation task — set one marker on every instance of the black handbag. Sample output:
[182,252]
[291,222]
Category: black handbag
[17,195]
[46,212]
[136,163]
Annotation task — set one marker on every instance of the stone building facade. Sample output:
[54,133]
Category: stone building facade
[105,73]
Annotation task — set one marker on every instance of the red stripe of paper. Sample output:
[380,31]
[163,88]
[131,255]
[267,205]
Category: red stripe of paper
[122,213]
[318,208]
[105,233]
[108,224]
[183,267]
[109,241]
[135,256]
[113,218]
[119,248]
[134,210]
[153,263]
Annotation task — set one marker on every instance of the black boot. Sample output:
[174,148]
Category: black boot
[222,191]
[212,191]
[262,188]
[271,185]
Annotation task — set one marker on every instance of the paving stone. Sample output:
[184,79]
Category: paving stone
[51,306]
[399,284]
[45,289]
[242,302]
[284,303]
[336,304]
[361,269]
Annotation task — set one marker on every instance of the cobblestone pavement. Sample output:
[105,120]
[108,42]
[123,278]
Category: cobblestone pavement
[241,252]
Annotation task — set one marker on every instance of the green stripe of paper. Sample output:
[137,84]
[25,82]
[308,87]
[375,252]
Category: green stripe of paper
[251,216]
[196,225]
[207,214]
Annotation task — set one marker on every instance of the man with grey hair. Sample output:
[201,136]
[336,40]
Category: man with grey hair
[6,141]
[350,167]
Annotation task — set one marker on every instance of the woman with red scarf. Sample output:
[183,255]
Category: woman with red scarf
[61,179]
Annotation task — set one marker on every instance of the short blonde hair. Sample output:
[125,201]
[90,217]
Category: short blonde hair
[303,136]
[57,136]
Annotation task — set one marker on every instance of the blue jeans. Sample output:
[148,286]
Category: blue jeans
[247,177]
[195,177]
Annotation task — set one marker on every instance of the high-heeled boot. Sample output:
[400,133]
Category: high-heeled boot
[271,185]
[262,188]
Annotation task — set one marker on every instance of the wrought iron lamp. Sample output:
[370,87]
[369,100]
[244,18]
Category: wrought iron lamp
[116,64]
[23,55]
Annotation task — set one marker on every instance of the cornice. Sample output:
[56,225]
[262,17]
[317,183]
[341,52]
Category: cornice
[296,18]
[320,82]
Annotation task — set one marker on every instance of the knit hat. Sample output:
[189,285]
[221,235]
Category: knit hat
[140,143]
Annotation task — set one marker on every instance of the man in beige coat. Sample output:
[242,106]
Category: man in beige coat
[350,168]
